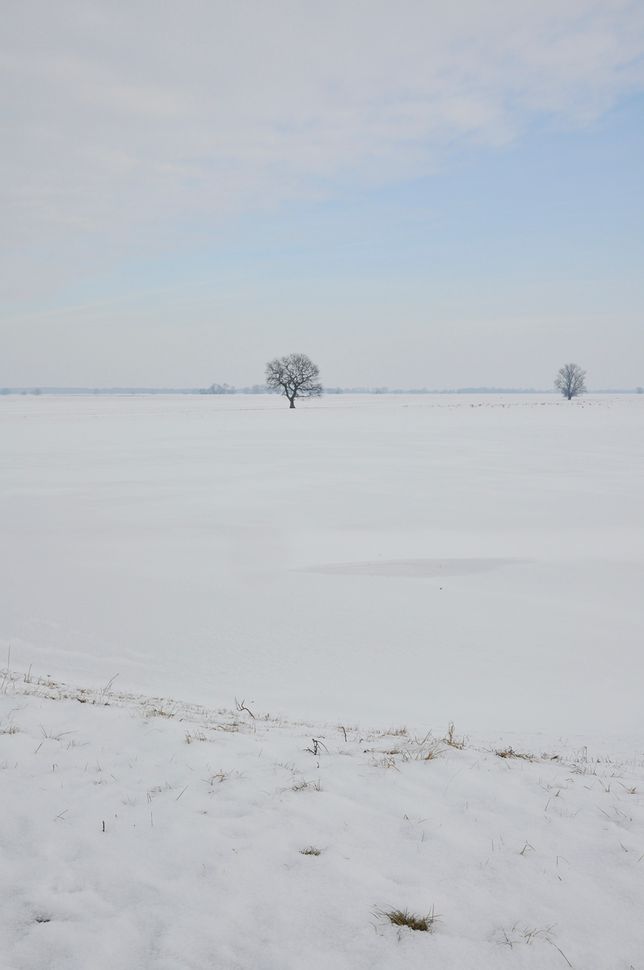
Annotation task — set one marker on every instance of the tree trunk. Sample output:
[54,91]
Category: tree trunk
[292,400]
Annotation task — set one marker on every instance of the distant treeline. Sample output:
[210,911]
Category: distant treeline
[262,389]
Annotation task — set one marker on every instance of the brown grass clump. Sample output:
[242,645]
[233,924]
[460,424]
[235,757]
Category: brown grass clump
[511,753]
[451,739]
[402,917]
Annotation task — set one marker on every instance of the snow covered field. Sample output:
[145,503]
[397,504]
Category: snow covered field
[138,833]
[384,564]
[374,559]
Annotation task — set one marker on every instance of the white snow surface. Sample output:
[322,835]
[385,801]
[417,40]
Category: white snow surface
[143,833]
[376,559]
[234,632]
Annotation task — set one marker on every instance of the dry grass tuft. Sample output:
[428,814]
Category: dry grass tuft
[451,739]
[423,749]
[388,761]
[529,935]
[432,752]
[306,786]
[153,711]
[402,917]
[221,776]
[311,850]
[511,753]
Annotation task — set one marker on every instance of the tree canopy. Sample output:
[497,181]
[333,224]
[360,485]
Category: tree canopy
[571,380]
[293,376]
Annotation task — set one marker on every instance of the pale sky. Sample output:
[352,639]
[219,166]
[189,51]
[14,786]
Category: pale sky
[413,193]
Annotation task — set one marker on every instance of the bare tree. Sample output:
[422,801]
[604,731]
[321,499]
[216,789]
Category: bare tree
[571,380]
[293,376]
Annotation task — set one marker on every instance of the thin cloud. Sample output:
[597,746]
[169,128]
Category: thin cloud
[121,116]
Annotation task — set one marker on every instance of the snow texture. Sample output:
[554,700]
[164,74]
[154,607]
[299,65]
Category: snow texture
[146,833]
[358,573]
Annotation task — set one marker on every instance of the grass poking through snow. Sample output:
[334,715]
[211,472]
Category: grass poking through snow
[511,753]
[402,917]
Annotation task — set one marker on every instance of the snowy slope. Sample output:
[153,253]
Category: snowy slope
[140,832]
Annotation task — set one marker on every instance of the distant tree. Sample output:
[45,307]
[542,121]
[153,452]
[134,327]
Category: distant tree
[639,390]
[293,376]
[571,380]
[219,389]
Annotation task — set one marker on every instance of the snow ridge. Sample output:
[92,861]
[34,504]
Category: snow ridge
[148,832]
